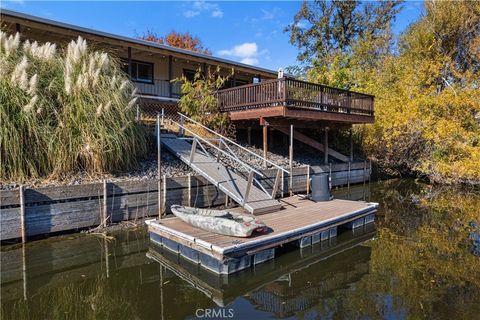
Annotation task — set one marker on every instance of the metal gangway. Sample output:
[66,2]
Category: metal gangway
[205,156]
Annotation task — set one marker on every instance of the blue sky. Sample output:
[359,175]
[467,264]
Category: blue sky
[250,31]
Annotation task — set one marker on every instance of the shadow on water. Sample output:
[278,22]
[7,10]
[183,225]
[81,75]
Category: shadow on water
[421,261]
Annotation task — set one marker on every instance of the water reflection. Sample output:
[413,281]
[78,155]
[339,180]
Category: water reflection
[420,263]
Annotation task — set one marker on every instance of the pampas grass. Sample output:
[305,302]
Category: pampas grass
[64,111]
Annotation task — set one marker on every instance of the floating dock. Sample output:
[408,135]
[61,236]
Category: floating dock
[301,222]
[347,250]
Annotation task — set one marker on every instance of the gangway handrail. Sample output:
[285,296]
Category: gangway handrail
[232,142]
[219,150]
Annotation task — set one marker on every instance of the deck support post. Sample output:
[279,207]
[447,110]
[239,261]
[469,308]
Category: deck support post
[18,28]
[159,159]
[270,141]
[325,144]
[170,76]
[351,144]
[22,214]
[265,145]
[249,136]
[290,162]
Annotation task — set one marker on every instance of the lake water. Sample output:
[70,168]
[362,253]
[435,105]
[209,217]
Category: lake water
[421,260]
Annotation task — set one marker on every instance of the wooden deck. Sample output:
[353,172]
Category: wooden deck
[299,220]
[225,179]
[295,99]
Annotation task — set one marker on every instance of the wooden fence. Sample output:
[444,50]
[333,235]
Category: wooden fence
[39,211]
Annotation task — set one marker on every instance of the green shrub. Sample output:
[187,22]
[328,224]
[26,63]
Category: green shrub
[64,111]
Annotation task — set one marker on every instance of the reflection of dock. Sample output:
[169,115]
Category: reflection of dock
[281,280]
[302,222]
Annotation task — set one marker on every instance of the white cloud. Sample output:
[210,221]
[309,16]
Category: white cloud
[201,6]
[246,52]
[217,13]
[190,13]
[251,61]
[271,14]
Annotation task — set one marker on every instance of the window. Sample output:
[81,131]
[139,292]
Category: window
[230,83]
[189,74]
[141,71]
[256,79]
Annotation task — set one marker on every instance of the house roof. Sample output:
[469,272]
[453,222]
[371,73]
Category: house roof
[24,16]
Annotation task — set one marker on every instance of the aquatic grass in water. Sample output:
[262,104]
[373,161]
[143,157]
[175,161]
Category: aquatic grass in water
[63,111]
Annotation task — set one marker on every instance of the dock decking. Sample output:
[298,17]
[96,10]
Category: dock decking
[301,222]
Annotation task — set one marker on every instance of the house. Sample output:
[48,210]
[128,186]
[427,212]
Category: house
[151,66]
[255,98]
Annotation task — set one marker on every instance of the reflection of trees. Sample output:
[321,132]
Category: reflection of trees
[88,299]
[421,265]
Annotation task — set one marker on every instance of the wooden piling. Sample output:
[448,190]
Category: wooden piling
[22,214]
[348,175]
[364,171]
[290,162]
[164,194]
[104,204]
[159,169]
[308,180]
[351,144]
[107,262]
[24,271]
[325,145]
[265,145]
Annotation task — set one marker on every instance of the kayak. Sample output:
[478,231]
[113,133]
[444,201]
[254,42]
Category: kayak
[219,221]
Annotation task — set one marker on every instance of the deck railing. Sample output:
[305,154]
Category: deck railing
[294,93]
[159,88]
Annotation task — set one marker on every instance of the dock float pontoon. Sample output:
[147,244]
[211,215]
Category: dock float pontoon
[301,222]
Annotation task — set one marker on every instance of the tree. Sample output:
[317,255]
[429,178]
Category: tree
[321,28]
[178,40]
[427,88]
[428,96]
[199,100]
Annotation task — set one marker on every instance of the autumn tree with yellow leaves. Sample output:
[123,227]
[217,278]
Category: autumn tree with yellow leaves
[426,82]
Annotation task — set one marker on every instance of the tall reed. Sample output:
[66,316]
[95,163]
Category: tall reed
[64,111]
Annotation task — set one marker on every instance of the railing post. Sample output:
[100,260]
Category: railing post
[249,186]
[182,123]
[159,162]
[194,149]
[276,183]
[290,181]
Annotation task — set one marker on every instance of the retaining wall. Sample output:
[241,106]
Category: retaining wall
[61,208]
